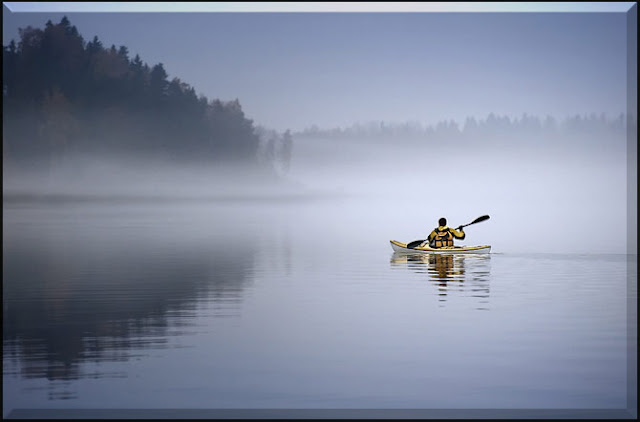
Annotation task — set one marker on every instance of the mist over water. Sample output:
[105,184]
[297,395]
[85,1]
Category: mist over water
[541,199]
[164,250]
[296,302]
[226,287]
[545,197]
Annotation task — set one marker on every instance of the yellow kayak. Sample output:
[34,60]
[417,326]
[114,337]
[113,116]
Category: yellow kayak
[402,247]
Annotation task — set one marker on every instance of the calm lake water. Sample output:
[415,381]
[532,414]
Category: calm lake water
[295,303]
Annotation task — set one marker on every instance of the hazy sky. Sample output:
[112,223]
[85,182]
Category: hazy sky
[296,69]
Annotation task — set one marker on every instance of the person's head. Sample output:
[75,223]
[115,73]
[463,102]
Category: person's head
[442,221]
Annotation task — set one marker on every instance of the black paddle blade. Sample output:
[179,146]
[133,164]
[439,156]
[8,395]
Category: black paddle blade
[415,243]
[479,219]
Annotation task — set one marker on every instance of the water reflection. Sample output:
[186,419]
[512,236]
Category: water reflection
[77,293]
[468,275]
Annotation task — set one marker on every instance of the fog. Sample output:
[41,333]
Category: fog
[220,190]
[120,177]
[539,199]
[113,124]
[545,197]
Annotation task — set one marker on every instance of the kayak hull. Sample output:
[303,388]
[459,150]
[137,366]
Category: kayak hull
[402,247]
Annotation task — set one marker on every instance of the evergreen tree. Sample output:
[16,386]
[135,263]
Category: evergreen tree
[61,95]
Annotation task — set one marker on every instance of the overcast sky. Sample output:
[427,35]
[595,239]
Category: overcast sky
[423,62]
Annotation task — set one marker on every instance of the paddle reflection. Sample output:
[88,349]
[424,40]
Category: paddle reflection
[467,274]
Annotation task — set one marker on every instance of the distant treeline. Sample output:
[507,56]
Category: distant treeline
[62,95]
[586,128]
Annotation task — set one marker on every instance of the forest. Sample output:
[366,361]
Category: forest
[64,96]
[578,130]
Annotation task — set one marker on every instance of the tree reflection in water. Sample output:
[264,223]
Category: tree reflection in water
[73,297]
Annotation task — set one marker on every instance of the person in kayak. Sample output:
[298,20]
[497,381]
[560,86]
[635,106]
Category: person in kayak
[442,236]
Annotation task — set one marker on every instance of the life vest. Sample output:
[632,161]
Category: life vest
[442,238]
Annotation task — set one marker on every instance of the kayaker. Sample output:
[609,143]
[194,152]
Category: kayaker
[443,235]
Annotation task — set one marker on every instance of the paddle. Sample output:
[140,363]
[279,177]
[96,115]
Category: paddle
[415,243]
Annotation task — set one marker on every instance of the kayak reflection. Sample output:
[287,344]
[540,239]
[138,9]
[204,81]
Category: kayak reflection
[467,274]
